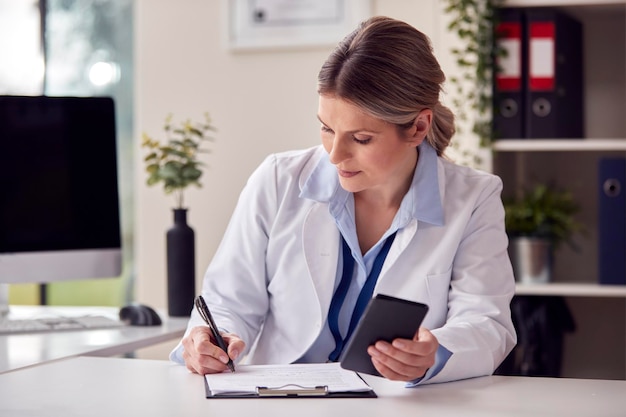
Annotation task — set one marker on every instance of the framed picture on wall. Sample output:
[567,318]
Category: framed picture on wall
[254,24]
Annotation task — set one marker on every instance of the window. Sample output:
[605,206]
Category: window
[86,50]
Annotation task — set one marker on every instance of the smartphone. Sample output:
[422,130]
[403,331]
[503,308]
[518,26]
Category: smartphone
[385,318]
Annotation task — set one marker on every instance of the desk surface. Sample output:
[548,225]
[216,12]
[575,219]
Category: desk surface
[91,386]
[22,350]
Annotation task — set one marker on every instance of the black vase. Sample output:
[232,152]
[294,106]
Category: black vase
[181,266]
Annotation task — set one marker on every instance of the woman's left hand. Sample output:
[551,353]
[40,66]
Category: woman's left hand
[404,359]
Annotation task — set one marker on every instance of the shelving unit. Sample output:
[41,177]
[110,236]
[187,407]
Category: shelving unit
[563,3]
[560,145]
[571,163]
[598,348]
[572,290]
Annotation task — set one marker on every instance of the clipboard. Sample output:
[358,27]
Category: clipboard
[292,391]
[300,380]
[384,318]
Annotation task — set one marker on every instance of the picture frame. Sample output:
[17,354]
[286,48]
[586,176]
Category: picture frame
[268,24]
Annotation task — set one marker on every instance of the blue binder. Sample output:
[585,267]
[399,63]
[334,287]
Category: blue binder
[612,221]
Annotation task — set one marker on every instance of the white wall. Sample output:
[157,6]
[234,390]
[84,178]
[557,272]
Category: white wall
[261,102]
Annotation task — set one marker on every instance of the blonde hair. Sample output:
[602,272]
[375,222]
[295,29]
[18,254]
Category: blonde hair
[387,68]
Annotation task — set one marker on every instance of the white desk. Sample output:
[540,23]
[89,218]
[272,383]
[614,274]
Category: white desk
[22,350]
[90,386]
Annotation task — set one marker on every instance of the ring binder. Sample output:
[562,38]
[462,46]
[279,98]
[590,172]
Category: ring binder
[298,391]
[612,221]
[554,75]
[509,75]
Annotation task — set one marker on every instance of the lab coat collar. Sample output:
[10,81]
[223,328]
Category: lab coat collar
[423,200]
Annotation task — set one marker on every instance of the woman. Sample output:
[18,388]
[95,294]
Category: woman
[379,177]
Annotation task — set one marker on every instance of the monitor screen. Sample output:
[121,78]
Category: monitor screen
[59,200]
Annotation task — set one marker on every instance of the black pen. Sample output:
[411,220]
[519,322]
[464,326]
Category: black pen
[206,316]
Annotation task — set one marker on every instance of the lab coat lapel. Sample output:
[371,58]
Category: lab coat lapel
[389,284]
[321,250]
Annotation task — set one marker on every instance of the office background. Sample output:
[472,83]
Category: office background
[261,101]
[172,58]
[265,101]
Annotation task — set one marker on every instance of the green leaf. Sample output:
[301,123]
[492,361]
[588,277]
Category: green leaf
[170,171]
[191,172]
[152,168]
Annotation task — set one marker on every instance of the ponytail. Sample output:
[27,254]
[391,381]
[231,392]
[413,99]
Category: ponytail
[442,128]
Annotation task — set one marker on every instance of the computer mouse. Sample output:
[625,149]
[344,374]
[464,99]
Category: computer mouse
[139,315]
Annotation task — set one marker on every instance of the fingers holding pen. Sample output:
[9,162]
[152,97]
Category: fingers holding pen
[197,352]
[203,356]
[206,345]
[235,345]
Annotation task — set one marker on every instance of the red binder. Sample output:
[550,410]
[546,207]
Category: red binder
[554,83]
[509,75]
[542,56]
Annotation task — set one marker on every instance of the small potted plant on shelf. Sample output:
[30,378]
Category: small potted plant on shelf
[537,223]
[175,164]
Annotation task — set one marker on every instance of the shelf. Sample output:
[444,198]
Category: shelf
[559,145]
[573,164]
[572,290]
[562,3]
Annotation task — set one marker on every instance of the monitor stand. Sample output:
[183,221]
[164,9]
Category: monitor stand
[4,300]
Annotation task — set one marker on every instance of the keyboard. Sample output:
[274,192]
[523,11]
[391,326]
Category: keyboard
[56,324]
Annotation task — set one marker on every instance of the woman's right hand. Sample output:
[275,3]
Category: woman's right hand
[202,355]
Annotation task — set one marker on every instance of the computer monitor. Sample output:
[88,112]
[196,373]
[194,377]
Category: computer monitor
[59,199]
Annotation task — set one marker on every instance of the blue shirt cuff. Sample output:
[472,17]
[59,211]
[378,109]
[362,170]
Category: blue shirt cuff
[176,355]
[441,358]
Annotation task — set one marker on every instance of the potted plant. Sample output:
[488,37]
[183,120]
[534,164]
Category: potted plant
[175,164]
[537,222]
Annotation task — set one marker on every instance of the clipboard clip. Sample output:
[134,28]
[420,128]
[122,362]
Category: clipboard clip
[292,390]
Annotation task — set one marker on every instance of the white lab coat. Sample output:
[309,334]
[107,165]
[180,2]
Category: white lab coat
[272,278]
